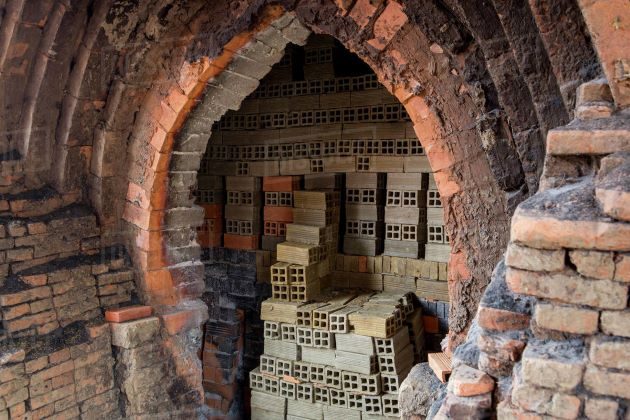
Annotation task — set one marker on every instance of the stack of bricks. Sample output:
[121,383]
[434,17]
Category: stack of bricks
[437,247]
[304,261]
[364,213]
[343,355]
[405,215]
[242,212]
[210,196]
[278,211]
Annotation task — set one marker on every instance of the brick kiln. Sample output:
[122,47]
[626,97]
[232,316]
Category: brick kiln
[314,209]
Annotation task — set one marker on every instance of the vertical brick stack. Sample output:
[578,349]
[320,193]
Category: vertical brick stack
[304,261]
[242,212]
[437,247]
[211,196]
[278,211]
[343,355]
[405,215]
[364,214]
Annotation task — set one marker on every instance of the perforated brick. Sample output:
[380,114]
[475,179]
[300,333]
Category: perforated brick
[270,385]
[285,199]
[246,228]
[338,398]
[330,147]
[305,316]
[353,196]
[284,367]
[286,151]
[372,404]
[333,377]
[388,147]
[344,147]
[393,231]
[302,371]
[394,198]
[303,292]
[436,234]
[363,163]
[288,332]
[256,380]
[368,229]
[390,383]
[242,168]
[323,339]
[355,401]
[287,389]
[351,381]
[304,336]
[402,147]
[300,150]
[409,233]
[281,292]
[272,330]
[267,364]
[433,198]
[368,196]
[370,384]
[338,321]
[389,405]
[392,112]
[358,147]
[231,226]
[272,198]
[318,373]
[317,166]
[353,228]
[280,273]
[321,395]
[410,198]
[304,392]
[273,151]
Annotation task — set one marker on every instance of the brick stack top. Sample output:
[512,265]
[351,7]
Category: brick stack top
[341,354]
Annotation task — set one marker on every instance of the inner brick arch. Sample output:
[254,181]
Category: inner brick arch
[160,208]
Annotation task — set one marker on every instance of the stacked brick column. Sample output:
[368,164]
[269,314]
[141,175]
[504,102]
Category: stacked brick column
[437,248]
[405,215]
[211,197]
[242,212]
[364,214]
[278,210]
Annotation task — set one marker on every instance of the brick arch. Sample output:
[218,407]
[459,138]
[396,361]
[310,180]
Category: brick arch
[175,127]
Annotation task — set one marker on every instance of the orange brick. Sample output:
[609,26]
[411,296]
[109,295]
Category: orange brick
[278,214]
[209,239]
[363,264]
[430,324]
[181,320]
[213,211]
[128,313]
[281,183]
[240,241]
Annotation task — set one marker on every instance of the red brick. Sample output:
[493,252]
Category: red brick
[212,211]
[363,268]
[388,24]
[59,356]
[35,280]
[431,324]
[128,313]
[240,241]
[179,321]
[467,382]
[209,239]
[281,183]
[362,12]
[278,214]
[502,320]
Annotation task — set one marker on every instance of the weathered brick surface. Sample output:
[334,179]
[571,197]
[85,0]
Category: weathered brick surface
[566,318]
